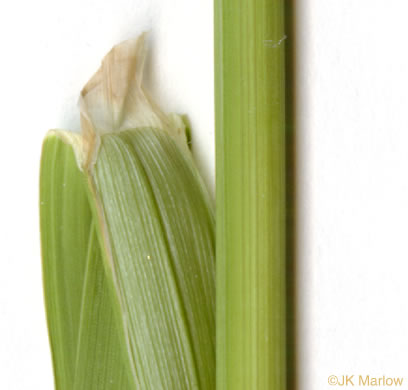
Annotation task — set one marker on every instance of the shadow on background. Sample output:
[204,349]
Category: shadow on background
[291,233]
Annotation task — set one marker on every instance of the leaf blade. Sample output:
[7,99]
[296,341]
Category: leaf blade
[139,247]
[87,344]
[64,240]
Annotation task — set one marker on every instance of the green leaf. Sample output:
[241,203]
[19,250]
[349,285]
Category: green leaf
[127,232]
[65,231]
[158,224]
[128,253]
[79,307]
[101,360]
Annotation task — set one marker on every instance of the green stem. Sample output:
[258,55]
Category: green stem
[250,156]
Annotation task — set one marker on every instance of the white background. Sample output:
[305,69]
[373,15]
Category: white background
[352,140]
